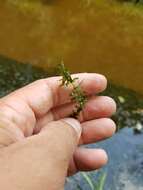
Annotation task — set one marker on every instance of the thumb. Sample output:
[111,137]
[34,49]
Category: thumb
[58,141]
[44,157]
[63,137]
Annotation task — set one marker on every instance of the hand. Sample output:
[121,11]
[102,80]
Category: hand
[39,145]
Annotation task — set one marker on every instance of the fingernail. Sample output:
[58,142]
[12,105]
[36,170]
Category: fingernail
[74,124]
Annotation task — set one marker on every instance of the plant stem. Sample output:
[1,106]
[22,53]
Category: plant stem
[77,95]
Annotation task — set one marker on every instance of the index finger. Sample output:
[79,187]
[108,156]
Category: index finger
[44,94]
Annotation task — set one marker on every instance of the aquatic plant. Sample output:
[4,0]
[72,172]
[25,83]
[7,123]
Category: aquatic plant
[99,185]
[77,95]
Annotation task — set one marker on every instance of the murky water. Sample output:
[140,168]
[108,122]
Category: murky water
[97,37]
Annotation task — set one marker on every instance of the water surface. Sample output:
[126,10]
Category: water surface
[100,37]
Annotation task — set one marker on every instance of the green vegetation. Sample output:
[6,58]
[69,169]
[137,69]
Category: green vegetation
[77,95]
[99,185]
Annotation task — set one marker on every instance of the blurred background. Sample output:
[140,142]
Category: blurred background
[103,36]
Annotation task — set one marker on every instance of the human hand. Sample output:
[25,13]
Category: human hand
[38,146]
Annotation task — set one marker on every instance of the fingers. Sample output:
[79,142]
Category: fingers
[87,160]
[96,107]
[44,94]
[90,83]
[96,130]
[92,131]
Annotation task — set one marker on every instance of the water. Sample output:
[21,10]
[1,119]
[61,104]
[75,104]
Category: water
[95,36]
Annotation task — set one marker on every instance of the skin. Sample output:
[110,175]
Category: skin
[38,148]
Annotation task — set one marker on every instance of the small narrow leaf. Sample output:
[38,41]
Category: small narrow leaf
[101,182]
[88,180]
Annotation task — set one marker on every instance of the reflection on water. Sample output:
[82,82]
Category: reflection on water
[95,38]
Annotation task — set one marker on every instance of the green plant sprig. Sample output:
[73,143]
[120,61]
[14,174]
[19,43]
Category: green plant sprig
[77,95]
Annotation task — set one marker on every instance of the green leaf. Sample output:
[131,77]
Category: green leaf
[77,95]
[88,180]
[101,182]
